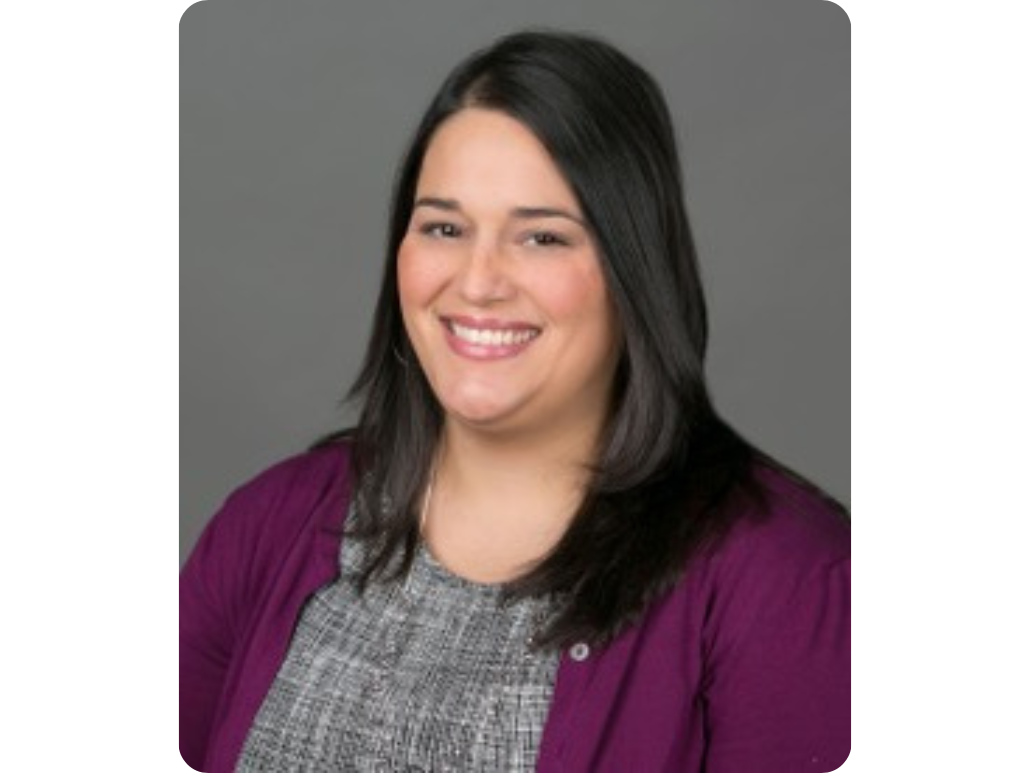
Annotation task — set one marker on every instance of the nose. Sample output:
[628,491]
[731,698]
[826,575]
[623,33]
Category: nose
[484,276]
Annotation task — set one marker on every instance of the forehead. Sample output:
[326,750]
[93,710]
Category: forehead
[480,155]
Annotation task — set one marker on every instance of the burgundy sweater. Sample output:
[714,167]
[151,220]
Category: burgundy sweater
[743,668]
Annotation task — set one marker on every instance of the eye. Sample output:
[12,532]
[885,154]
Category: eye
[440,230]
[546,239]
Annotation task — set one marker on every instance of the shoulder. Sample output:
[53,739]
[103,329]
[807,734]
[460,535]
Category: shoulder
[266,513]
[297,479]
[786,558]
[787,523]
[282,512]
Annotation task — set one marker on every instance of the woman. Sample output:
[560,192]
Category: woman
[540,549]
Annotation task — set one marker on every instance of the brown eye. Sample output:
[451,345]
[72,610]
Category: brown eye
[441,230]
[547,239]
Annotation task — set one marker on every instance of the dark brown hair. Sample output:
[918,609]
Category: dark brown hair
[670,471]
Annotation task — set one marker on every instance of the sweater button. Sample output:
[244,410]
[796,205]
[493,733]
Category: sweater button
[579,652]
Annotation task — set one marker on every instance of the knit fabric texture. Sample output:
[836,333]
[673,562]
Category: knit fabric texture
[433,673]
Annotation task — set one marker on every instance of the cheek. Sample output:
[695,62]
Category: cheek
[578,297]
[417,281]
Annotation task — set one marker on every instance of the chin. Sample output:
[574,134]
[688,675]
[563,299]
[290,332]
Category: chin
[479,414]
[477,403]
[479,418]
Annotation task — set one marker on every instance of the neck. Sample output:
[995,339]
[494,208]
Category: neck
[475,461]
[499,504]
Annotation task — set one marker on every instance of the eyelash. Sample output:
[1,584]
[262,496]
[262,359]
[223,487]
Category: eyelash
[436,230]
[553,239]
[545,239]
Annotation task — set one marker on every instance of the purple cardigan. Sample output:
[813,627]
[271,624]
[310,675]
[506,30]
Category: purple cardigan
[743,668]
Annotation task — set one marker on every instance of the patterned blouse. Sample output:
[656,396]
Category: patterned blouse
[432,674]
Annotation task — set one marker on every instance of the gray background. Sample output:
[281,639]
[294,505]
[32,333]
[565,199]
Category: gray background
[293,115]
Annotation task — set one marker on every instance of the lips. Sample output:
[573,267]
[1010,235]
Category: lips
[488,338]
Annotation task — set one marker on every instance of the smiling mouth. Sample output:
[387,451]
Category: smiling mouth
[492,335]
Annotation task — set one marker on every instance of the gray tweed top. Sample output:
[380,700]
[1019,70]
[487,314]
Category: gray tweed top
[430,675]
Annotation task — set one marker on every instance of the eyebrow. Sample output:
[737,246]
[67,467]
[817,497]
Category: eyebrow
[521,213]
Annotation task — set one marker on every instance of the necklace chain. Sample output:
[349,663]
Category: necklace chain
[543,607]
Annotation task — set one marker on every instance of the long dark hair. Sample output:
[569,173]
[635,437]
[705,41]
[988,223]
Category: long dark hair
[669,468]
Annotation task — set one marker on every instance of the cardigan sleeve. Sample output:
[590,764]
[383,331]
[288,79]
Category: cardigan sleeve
[212,598]
[778,685]
[205,645]
[222,582]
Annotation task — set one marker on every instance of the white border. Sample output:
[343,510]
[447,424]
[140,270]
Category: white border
[90,318]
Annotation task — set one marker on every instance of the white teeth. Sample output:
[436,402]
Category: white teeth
[493,337]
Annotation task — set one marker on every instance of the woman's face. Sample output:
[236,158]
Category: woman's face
[501,286]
